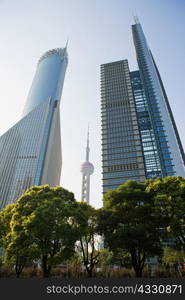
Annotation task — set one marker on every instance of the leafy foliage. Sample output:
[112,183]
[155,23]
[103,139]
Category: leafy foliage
[47,225]
[40,227]
[128,222]
[171,255]
[169,195]
[86,221]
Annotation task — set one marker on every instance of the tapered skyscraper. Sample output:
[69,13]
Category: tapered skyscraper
[139,135]
[30,152]
[168,144]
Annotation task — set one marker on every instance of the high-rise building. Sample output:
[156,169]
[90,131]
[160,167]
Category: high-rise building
[30,152]
[87,170]
[139,135]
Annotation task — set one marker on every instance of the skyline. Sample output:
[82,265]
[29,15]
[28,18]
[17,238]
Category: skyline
[89,46]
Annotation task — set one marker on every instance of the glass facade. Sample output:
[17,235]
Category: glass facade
[139,136]
[48,79]
[169,147]
[149,145]
[30,152]
[121,144]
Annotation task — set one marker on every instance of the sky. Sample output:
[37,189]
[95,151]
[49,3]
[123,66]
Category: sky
[99,31]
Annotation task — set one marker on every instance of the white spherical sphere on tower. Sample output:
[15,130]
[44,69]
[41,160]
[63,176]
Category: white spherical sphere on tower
[87,168]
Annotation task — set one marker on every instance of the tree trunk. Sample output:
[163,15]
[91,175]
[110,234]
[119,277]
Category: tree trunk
[19,268]
[88,269]
[138,272]
[45,267]
[18,273]
[138,266]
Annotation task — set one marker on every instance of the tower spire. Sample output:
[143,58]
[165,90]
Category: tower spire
[87,148]
[66,43]
[136,19]
[65,48]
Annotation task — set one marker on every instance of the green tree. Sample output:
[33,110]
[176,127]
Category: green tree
[86,222]
[169,195]
[128,222]
[17,255]
[5,219]
[173,256]
[105,257]
[41,227]
[122,258]
[11,241]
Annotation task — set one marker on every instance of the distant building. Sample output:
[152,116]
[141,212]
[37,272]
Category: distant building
[139,135]
[87,170]
[30,152]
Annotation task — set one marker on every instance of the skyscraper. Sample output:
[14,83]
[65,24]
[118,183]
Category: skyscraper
[87,170]
[139,135]
[30,152]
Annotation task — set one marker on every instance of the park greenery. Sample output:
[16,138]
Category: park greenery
[48,233]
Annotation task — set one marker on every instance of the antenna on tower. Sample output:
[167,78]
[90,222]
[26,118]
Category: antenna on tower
[65,48]
[66,43]
[136,19]
[87,149]
[88,135]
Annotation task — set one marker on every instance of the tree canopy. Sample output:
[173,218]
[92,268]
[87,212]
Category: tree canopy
[86,221]
[169,196]
[41,224]
[47,225]
[128,222]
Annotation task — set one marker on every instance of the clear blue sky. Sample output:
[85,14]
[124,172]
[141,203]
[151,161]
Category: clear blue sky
[99,31]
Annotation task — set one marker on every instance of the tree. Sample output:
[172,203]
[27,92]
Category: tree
[105,257]
[19,251]
[41,226]
[86,222]
[169,196]
[6,241]
[11,241]
[122,258]
[128,222]
[5,219]
[173,256]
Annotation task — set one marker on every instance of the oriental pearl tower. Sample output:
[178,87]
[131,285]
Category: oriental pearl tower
[87,169]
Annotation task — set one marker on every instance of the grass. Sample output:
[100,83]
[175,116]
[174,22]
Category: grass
[76,271]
